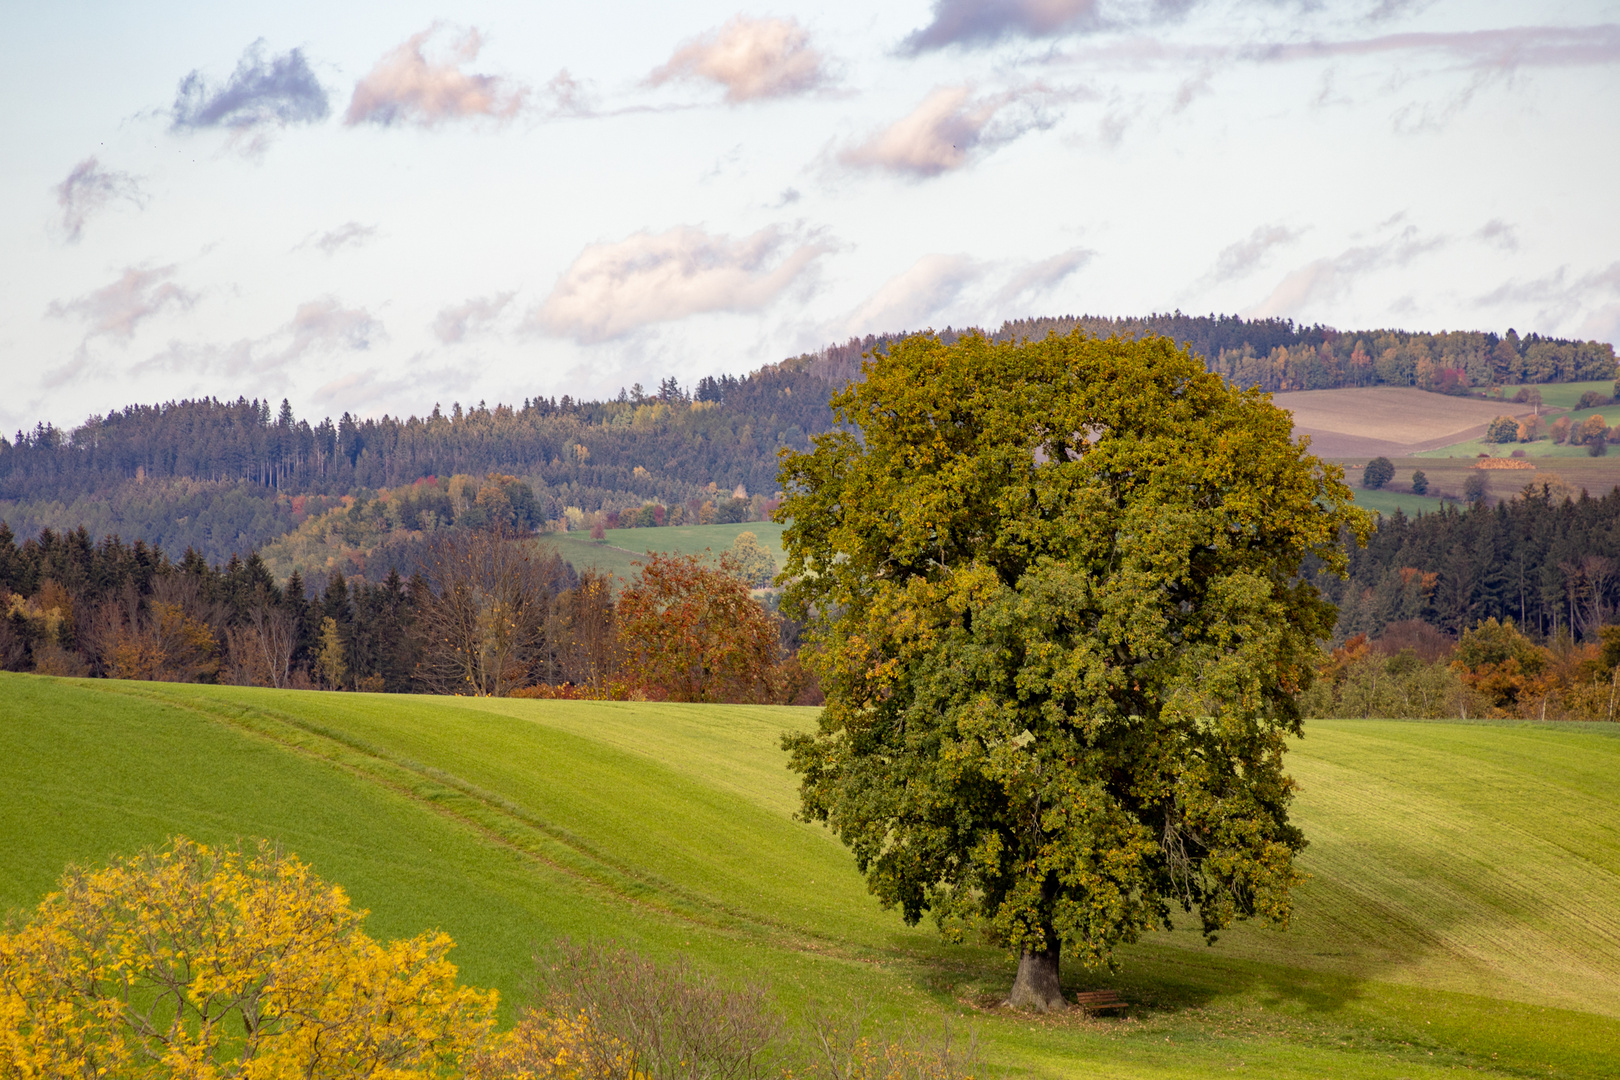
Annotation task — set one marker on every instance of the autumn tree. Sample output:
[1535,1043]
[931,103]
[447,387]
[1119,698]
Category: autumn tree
[690,631]
[1505,668]
[1054,595]
[233,962]
[753,560]
[483,620]
[1503,429]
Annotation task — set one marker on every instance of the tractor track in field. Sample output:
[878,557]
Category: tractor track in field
[505,823]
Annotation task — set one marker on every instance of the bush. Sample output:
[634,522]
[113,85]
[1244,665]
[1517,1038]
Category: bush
[1420,483]
[1594,399]
[1379,471]
[607,1013]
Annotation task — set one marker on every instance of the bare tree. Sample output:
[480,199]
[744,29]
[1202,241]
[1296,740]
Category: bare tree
[261,649]
[485,618]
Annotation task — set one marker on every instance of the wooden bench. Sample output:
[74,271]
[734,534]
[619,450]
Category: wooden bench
[1094,1001]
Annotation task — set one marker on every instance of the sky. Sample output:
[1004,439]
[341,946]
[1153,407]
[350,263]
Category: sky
[380,207]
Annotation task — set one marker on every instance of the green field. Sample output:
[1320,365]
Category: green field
[1462,911]
[617,551]
[1560,395]
[1387,500]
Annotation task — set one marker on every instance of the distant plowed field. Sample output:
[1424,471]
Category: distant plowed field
[1388,420]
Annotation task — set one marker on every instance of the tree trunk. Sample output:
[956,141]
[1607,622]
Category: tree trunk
[1036,986]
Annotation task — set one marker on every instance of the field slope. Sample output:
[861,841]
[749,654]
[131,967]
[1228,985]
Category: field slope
[1463,908]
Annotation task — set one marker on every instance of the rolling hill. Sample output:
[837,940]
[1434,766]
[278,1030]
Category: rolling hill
[1463,908]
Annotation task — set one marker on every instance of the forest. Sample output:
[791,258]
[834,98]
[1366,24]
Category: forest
[226,478]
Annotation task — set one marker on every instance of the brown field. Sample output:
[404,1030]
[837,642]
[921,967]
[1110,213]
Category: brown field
[1392,421]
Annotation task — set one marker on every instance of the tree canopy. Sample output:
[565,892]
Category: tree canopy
[1053,592]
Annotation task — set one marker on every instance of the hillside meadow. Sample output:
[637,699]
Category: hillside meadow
[1462,909]
[619,549]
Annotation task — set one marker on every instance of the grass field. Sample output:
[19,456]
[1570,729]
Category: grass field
[617,551]
[1463,908]
[1387,501]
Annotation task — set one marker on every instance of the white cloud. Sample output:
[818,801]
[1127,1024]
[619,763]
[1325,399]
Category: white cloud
[406,86]
[319,327]
[751,58]
[612,289]
[349,234]
[1039,278]
[116,309]
[942,133]
[1241,258]
[1326,279]
[453,324]
[911,299]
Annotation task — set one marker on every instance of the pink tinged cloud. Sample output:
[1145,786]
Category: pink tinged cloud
[115,310]
[751,58]
[407,87]
[613,289]
[89,189]
[454,324]
[943,132]
[914,297]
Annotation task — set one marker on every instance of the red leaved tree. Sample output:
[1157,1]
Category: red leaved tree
[691,632]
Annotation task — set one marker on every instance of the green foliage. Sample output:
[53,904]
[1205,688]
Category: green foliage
[1504,429]
[1420,483]
[1379,471]
[1052,589]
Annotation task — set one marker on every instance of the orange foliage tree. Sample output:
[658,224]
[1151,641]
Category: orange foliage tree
[691,632]
[1506,669]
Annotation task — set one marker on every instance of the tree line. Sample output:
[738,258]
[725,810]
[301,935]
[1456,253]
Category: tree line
[1549,560]
[483,613]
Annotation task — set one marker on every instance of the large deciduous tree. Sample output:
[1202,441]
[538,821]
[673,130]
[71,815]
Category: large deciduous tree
[1055,599]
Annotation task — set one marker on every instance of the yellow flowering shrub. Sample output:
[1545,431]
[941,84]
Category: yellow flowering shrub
[216,964]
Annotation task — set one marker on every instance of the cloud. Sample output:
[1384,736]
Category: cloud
[260,93]
[1505,48]
[88,189]
[985,22]
[323,325]
[1559,298]
[751,58]
[318,327]
[1239,259]
[115,310]
[349,234]
[1324,280]
[911,299]
[612,289]
[1500,233]
[1041,277]
[406,87]
[950,124]
[455,323]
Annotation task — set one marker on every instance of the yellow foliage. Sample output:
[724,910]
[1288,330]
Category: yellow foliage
[189,961]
